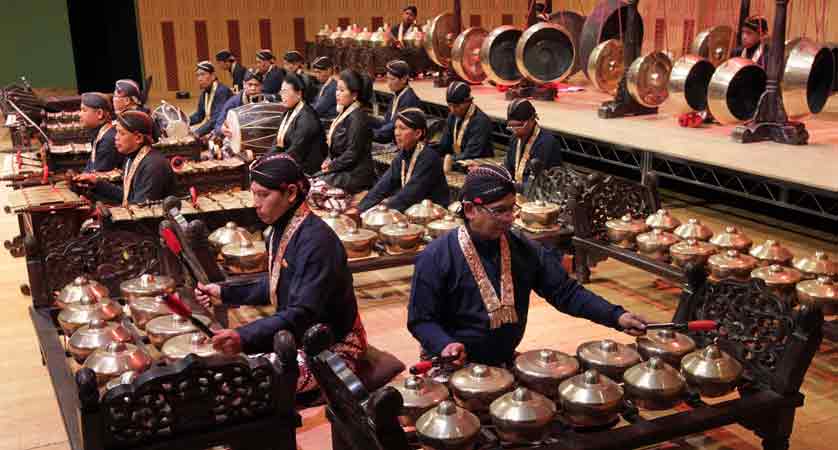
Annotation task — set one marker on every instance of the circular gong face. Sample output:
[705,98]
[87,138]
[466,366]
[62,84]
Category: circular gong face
[465,55]
[608,20]
[807,78]
[497,55]
[605,66]
[688,83]
[440,38]
[735,89]
[544,53]
[648,79]
[573,23]
[714,44]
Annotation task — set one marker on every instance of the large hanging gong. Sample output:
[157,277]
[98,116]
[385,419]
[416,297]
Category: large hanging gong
[714,44]
[605,66]
[807,79]
[607,21]
[834,47]
[497,55]
[544,53]
[465,55]
[688,83]
[735,89]
[573,23]
[439,38]
[648,78]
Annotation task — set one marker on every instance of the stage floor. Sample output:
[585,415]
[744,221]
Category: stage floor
[575,113]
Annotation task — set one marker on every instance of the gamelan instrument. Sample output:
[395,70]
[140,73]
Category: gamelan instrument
[497,56]
[572,22]
[465,55]
[254,127]
[735,88]
[608,20]
[172,121]
[689,82]
[807,78]
[714,44]
[648,77]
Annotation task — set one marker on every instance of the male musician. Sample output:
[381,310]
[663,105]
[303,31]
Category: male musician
[97,114]
[409,14]
[300,132]
[252,86]
[325,102]
[146,175]
[754,40]
[398,77]
[471,288]
[416,172]
[541,13]
[528,142]
[213,96]
[128,96]
[228,62]
[272,75]
[293,62]
[308,279]
[467,129]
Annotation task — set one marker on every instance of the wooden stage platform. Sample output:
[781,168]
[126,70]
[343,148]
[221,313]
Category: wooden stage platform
[802,178]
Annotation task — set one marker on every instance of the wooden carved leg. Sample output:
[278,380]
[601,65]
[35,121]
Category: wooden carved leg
[583,272]
[339,442]
[776,431]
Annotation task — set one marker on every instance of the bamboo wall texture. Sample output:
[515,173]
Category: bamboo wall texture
[176,33]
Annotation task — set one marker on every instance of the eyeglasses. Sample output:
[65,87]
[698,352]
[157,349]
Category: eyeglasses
[516,126]
[500,211]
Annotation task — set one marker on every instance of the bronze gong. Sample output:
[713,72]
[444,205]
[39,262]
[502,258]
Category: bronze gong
[834,47]
[648,78]
[735,89]
[688,83]
[807,78]
[465,55]
[605,66]
[573,23]
[497,55]
[607,21]
[545,53]
[714,44]
[439,39]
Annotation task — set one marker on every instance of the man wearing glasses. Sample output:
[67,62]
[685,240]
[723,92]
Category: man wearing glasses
[467,128]
[471,288]
[529,142]
[398,76]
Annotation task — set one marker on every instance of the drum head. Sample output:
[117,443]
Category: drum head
[648,78]
[235,130]
[171,120]
[688,83]
[439,39]
[605,66]
[465,55]
[545,53]
[735,89]
[714,44]
[573,23]
[497,55]
[807,79]
[436,127]
[607,21]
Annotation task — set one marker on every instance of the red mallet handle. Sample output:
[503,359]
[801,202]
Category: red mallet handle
[177,306]
[193,196]
[702,325]
[171,240]
[421,367]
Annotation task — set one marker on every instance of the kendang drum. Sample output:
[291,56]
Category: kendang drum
[254,127]
[497,56]
[572,22]
[545,53]
[735,90]
[172,121]
[807,79]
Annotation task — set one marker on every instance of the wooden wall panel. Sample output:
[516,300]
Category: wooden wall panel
[234,38]
[201,40]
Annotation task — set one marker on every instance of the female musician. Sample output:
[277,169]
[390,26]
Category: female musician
[300,133]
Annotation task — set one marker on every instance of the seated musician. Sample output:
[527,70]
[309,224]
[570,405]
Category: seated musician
[97,115]
[528,142]
[467,129]
[349,165]
[228,62]
[409,14]
[272,75]
[415,174]
[754,40]
[398,76]
[128,96]
[146,175]
[213,96]
[308,279]
[541,13]
[252,86]
[300,132]
[470,292]
[325,104]
[293,62]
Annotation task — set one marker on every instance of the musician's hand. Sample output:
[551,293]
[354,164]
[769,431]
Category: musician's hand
[87,180]
[325,165]
[227,341]
[204,294]
[633,324]
[455,349]
[225,130]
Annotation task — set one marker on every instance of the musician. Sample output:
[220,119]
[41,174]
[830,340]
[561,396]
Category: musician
[416,172]
[272,75]
[349,163]
[293,62]
[210,103]
[97,115]
[467,129]
[228,62]
[541,13]
[409,14]
[754,40]
[252,86]
[398,77]
[146,174]
[471,288]
[528,142]
[324,103]
[128,96]
[308,279]
[300,132]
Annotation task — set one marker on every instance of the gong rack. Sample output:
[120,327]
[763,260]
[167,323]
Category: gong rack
[775,345]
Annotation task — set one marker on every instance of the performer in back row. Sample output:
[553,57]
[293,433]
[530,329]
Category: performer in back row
[300,132]
[398,77]
[308,279]
[210,103]
[754,40]
[252,87]
[468,129]
[97,115]
[272,75]
[528,142]
[227,61]
[127,96]
[325,103]
[398,31]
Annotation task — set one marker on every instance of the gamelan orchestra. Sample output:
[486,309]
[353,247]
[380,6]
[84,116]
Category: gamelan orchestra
[194,264]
